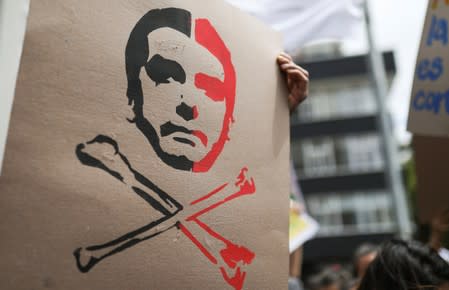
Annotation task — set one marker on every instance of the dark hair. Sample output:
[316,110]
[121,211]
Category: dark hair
[361,251]
[402,265]
[137,48]
[325,278]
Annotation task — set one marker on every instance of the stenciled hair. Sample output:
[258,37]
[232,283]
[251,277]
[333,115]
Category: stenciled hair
[137,48]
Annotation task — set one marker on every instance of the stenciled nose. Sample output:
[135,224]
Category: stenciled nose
[187,112]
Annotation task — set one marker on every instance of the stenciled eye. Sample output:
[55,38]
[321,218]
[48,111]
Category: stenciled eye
[160,70]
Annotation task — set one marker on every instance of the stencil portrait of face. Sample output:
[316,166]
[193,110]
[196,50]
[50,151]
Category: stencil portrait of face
[181,87]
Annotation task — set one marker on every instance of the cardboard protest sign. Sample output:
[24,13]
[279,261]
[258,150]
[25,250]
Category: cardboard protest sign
[148,149]
[432,167]
[429,106]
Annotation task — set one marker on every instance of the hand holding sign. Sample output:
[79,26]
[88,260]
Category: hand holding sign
[297,80]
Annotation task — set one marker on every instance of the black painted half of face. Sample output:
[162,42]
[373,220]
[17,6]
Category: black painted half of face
[158,69]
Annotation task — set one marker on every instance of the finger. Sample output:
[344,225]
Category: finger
[292,66]
[282,60]
[296,75]
[304,71]
[288,66]
[296,69]
[286,55]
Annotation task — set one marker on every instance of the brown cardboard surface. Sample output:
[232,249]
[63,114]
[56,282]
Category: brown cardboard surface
[429,105]
[115,212]
[432,170]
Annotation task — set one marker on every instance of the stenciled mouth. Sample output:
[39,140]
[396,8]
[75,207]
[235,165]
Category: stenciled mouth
[169,128]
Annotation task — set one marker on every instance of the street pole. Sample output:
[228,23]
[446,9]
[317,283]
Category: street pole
[392,168]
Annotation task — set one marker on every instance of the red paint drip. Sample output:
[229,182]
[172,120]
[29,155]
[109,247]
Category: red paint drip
[197,243]
[236,281]
[241,178]
[214,88]
[213,192]
[201,136]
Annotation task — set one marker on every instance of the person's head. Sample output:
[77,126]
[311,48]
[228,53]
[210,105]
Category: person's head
[182,90]
[402,265]
[363,257]
[327,279]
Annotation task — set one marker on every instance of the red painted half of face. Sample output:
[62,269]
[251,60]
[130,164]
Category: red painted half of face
[214,88]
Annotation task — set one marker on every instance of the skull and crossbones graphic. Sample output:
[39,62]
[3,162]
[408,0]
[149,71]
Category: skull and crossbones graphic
[178,126]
